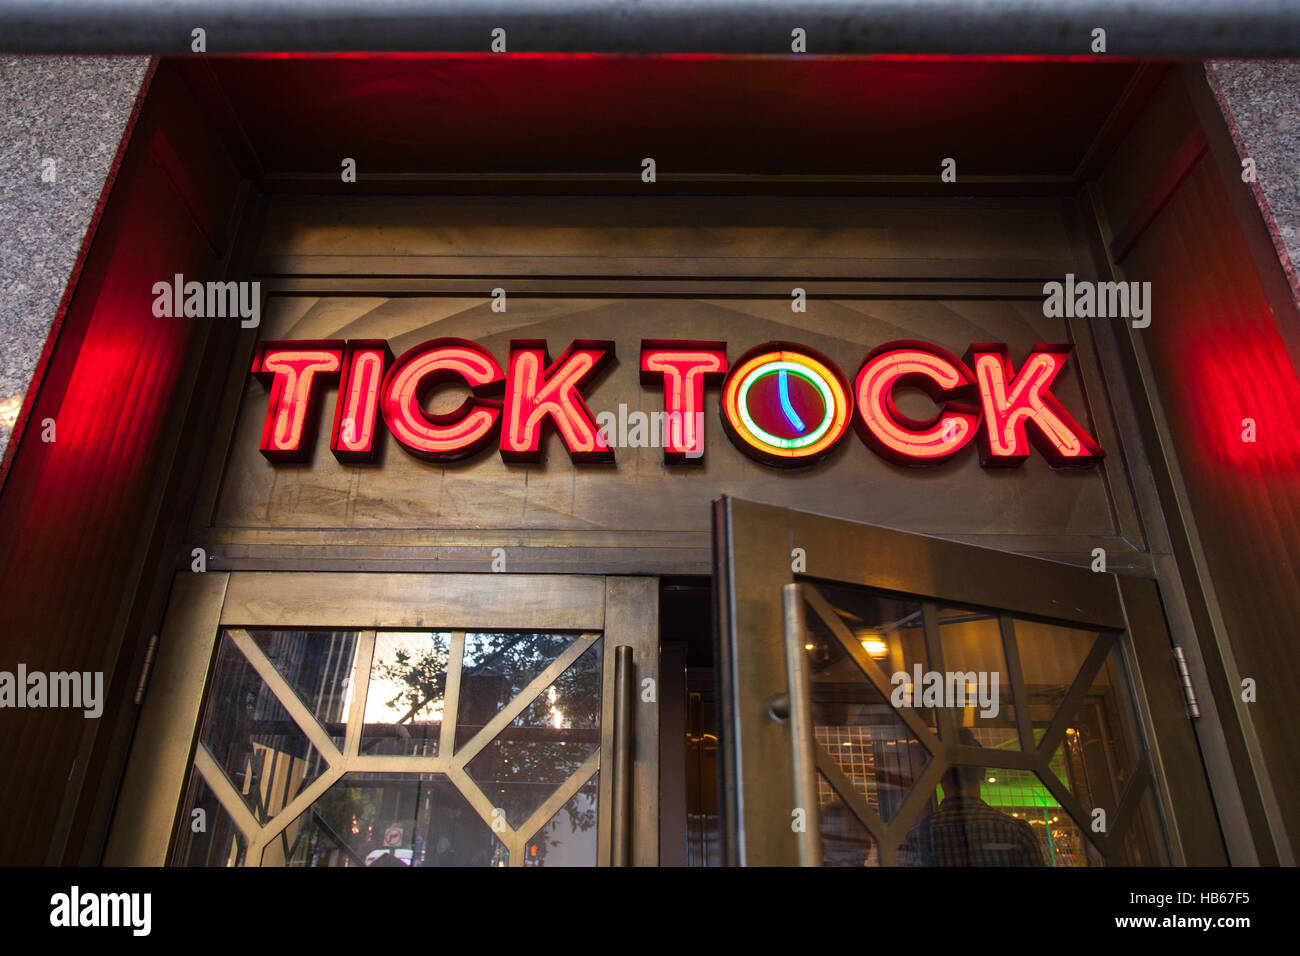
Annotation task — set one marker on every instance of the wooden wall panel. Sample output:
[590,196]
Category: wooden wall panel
[1218,358]
[951,271]
[638,503]
[1143,157]
[570,236]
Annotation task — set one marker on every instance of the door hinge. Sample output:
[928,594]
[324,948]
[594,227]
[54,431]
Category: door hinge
[1185,677]
[146,670]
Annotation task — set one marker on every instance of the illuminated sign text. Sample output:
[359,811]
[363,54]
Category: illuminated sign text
[781,403]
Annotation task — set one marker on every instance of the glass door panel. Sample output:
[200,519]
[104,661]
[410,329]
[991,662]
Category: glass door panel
[330,753]
[318,744]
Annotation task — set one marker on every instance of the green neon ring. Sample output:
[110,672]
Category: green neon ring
[828,400]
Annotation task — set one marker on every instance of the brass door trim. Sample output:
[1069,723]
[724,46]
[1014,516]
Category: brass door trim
[157,769]
[945,570]
[463,601]
[798,700]
[632,619]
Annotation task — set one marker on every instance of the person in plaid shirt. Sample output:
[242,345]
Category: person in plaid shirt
[966,831]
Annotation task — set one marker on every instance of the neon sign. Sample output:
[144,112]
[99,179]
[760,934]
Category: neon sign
[782,403]
[785,404]
[355,437]
[292,370]
[892,434]
[1013,401]
[538,390]
[684,368]
[454,435]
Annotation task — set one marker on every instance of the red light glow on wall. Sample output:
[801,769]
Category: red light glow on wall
[1011,401]
[897,437]
[1245,405]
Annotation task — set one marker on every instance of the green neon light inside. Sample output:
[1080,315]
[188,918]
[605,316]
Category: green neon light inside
[828,401]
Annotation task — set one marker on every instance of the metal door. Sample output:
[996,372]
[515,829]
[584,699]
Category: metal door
[896,699]
[397,720]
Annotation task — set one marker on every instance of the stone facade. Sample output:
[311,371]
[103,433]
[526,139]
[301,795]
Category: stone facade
[61,122]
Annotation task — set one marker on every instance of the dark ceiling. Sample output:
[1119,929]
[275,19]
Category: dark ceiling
[793,116]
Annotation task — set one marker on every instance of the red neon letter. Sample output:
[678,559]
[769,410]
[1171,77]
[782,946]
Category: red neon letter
[537,389]
[893,435]
[1011,401]
[291,369]
[357,407]
[684,368]
[456,434]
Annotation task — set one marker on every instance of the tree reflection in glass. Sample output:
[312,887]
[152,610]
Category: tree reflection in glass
[552,736]
[404,703]
[388,817]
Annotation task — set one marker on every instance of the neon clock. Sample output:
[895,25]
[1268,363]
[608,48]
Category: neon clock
[786,404]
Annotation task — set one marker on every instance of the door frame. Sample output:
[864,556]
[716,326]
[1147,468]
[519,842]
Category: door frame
[754,547]
[622,611]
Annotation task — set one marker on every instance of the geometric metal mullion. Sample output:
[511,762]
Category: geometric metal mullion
[908,715]
[231,800]
[1128,803]
[563,794]
[1078,690]
[287,697]
[360,691]
[455,765]
[451,695]
[399,763]
[469,789]
[263,840]
[1019,689]
[910,809]
[944,718]
[992,758]
[844,788]
[1073,808]
[409,763]
[525,697]
[291,811]
[870,669]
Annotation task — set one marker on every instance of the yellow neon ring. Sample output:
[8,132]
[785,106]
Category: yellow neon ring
[731,404]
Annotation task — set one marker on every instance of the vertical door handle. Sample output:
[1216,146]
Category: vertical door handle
[624,719]
[801,726]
